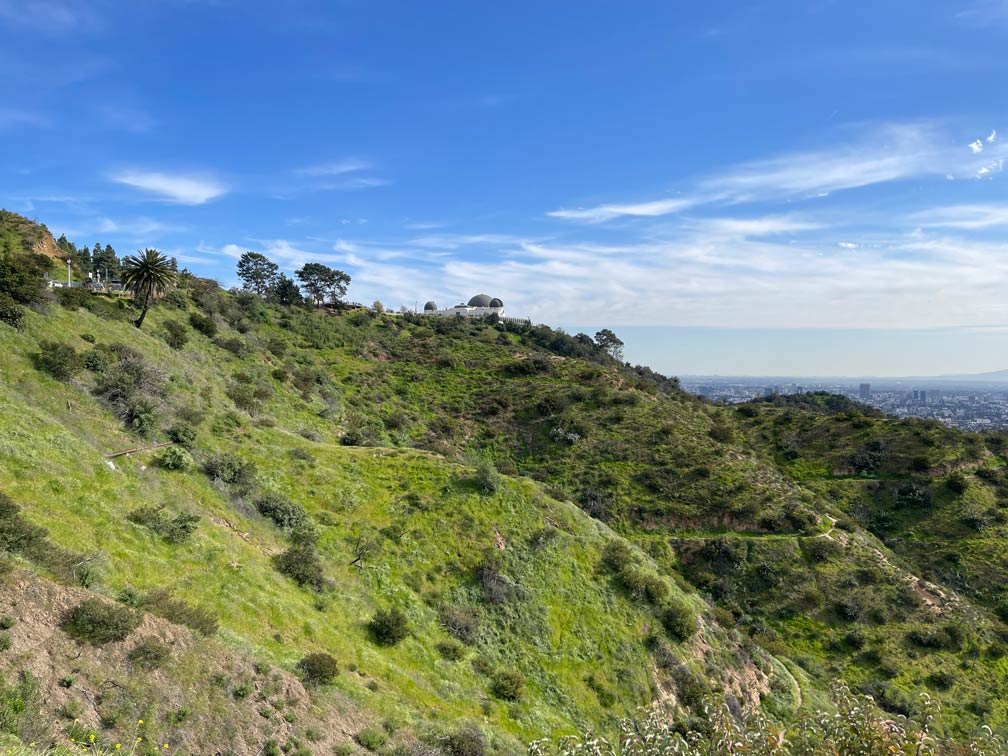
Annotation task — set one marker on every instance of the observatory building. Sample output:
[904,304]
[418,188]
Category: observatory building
[480,306]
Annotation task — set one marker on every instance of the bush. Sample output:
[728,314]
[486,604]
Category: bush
[176,458]
[203,324]
[508,684]
[451,649]
[98,622]
[679,621]
[6,622]
[173,529]
[60,360]
[231,469]
[487,478]
[958,483]
[5,641]
[183,434]
[149,653]
[460,622]
[318,669]
[73,298]
[285,513]
[389,626]
[617,555]
[11,314]
[301,563]
[176,334]
[162,603]
[468,740]
[234,344]
[371,738]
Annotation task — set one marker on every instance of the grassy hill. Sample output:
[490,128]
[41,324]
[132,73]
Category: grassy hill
[563,539]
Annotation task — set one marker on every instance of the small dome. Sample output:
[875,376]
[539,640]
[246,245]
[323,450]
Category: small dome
[480,300]
[496,303]
[430,306]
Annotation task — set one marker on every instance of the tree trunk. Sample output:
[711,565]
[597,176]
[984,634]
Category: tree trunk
[139,321]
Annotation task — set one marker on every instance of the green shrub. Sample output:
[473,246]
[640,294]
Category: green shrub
[176,334]
[617,555]
[468,740]
[162,603]
[460,622]
[302,564]
[176,458]
[508,684]
[5,641]
[371,738]
[389,626]
[488,480]
[318,669]
[678,620]
[183,434]
[175,529]
[60,360]
[957,483]
[234,344]
[451,649]
[73,298]
[98,622]
[11,313]
[231,469]
[203,324]
[6,622]
[149,653]
[285,513]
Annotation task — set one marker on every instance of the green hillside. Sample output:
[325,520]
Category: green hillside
[561,539]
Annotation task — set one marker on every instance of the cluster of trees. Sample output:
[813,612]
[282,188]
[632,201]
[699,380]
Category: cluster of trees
[262,276]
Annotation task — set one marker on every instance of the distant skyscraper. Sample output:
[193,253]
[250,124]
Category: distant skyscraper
[923,396]
[865,391]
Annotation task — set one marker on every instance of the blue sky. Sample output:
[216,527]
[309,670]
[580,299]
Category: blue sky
[748,180]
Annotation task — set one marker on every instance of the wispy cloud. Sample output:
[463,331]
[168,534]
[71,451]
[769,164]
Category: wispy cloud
[640,209]
[50,16]
[14,117]
[967,217]
[335,168]
[879,155]
[183,189]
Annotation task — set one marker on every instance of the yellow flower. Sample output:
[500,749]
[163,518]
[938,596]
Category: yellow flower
[139,721]
[118,746]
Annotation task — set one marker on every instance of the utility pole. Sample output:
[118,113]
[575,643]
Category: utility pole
[68,272]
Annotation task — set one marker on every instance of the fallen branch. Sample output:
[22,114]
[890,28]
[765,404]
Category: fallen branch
[140,449]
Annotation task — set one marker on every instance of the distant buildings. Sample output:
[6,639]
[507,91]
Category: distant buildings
[479,306]
[864,392]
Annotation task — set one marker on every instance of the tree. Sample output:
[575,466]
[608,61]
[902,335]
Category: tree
[147,275]
[336,283]
[285,291]
[312,277]
[104,262]
[257,272]
[611,343]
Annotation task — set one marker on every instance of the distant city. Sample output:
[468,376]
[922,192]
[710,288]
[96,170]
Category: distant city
[965,405]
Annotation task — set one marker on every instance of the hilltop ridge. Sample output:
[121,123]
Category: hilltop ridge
[563,538]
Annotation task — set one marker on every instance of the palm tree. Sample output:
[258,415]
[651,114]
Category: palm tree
[146,275]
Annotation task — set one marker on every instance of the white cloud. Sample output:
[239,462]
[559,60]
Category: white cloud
[178,188]
[641,209]
[335,168]
[770,225]
[992,137]
[847,245]
[966,217]
[12,117]
[976,147]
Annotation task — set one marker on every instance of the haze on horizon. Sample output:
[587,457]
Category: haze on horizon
[739,188]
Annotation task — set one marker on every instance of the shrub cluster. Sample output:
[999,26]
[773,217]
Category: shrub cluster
[176,334]
[389,626]
[11,313]
[99,622]
[461,623]
[302,564]
[18,536]
[203,324]
[176,458]
[164,604]
[149,653]
[60,360]
[318,669]
[231,469]
[173,529]
[508,684]
[285,513]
